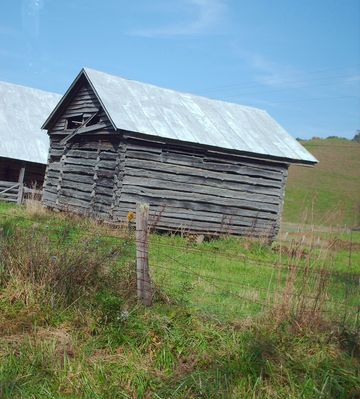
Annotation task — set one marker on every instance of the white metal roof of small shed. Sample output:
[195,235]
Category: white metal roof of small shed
[22,112]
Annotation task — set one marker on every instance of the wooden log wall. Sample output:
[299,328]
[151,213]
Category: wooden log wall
[197,191]
[200,190]
[83,175]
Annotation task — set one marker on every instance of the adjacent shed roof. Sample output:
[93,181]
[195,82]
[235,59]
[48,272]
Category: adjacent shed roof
[148,109]
[22,111]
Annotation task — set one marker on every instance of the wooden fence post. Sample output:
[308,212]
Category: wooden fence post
[144,290]
[21,186]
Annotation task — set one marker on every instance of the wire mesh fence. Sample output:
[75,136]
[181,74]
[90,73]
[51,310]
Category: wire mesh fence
[234,287]
[225,278]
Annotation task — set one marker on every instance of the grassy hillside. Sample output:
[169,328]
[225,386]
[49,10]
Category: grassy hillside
[70,325]
[329,193]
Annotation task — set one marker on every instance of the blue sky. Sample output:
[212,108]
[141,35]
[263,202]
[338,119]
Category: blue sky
[299,60]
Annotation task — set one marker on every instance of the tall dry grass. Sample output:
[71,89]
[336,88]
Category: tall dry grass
[59,273]
[305,295]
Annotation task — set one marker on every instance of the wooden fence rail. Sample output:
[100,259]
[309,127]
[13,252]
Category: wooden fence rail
[16,192]
[10,191]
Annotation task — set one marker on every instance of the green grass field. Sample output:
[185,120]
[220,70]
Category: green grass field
[329,193]
[70,325]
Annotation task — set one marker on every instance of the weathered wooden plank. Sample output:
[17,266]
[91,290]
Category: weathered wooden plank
[102,173]
[82,98]
[4,183]
[54,166]
[76,185]
[75,111]
[85,154]
[78,169]
[51,189]
[75,194]
[145,147]
[203,211]
[199,163]
[49,198]
[94,145]
[103,190]
[204,198]
[80,161]
[103,199]
[201,189]
[184,215]
[108,156]
[52,181]
[82,105]
[55,152]
[198,206]
[9,195]
[105,182]
[207,226]
[81,178]
[107,164]
[191,171]
[239,185]
[70,201]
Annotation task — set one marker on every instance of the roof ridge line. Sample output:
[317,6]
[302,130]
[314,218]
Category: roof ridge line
[184,93]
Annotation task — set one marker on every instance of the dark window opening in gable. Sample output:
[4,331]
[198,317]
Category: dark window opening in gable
[74,121]
[82,120]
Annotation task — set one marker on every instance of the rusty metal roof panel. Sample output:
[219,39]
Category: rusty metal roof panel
[22,111]
[148,109]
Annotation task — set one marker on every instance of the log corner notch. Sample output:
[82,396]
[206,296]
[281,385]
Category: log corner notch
[144,289]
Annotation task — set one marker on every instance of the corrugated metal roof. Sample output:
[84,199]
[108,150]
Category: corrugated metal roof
[22,112]
[152,110]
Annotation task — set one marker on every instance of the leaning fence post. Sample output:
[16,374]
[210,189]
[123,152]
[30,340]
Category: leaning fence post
[144,291]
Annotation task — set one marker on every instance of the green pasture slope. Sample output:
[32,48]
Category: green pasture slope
[70,325]
[329,193]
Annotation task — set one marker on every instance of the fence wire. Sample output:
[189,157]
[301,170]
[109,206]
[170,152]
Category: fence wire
[225,285]
[242,286]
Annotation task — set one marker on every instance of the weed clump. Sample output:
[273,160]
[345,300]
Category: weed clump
[60,272]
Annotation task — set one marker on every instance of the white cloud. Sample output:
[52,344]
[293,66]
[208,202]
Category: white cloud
[209,15]
[31,16]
